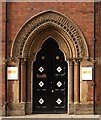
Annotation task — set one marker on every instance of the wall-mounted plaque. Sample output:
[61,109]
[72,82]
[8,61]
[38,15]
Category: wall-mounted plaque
[12,73]
[86,73]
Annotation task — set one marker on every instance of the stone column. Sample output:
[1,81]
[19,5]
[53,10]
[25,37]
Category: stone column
[76,80]
[71,81]
[29,90]
[23,79]
[19,74]
[29,87]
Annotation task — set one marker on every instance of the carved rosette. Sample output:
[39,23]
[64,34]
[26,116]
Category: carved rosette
[46,20]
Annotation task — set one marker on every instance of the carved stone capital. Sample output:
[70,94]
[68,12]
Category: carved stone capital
[11,61]
[77,60]
[70,60]
[93,61]
[23,61]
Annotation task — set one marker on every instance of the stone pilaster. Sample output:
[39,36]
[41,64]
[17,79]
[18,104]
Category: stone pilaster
[77,80]
[23,79]
[71,81]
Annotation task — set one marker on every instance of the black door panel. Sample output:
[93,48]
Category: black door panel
[50,79]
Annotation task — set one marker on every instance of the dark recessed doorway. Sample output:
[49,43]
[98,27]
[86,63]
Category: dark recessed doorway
[50,79]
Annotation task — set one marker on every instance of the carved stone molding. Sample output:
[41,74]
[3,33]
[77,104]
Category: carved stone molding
[47,20]
[71,61]
[77,60]
[42,33]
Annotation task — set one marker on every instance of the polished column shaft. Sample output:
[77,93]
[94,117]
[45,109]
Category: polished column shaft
[71,81]
[76,81]
[23,80]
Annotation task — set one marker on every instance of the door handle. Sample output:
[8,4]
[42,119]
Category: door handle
[52,91]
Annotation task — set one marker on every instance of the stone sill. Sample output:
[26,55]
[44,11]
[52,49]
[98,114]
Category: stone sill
[55,116]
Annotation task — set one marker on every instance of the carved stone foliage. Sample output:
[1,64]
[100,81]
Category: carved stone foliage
[44,21]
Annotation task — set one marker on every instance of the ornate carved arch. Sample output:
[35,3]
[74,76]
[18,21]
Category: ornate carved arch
[43,32]
[50,23]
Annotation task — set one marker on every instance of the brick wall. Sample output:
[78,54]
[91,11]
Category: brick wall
[98,54]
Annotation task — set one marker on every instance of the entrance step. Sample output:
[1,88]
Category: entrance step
[53,117]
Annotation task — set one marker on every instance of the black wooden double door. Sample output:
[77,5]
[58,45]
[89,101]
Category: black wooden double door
[50,79]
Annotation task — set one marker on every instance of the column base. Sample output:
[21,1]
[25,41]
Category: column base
[83,109]
[71,108]
[20,109]
[16,109]
[2,110]
[28,109]
[98,109]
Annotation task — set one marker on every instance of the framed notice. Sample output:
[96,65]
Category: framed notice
[12,73]
[86,73]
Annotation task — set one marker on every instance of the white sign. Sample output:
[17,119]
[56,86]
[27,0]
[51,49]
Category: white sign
[86,73]
[12,73]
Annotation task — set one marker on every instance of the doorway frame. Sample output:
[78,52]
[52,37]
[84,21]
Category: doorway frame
[67,81]
[29,40]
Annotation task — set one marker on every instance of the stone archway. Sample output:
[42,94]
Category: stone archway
[45,20]
[29,40]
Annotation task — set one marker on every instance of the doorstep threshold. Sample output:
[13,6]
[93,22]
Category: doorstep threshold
[54,116]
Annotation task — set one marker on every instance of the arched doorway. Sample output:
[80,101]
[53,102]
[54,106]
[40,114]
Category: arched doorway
[29,40]
[50,79]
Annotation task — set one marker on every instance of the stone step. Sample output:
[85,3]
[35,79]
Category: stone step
[53,117]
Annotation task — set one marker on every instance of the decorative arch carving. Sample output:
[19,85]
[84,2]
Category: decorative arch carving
[50,23]
[42,34]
